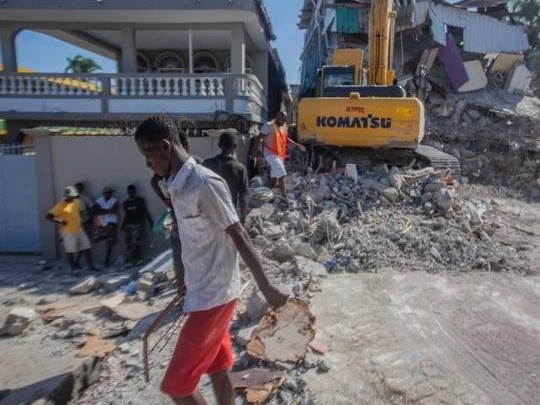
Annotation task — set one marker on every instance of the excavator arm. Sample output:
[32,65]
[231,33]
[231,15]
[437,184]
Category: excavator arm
[382,19]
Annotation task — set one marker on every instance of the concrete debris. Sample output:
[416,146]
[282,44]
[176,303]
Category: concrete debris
[305,266]
[254,377]
[18,320]
[85,286]
[318,346]
[132,310]
[113,283]
[96,347]
[400,217]
[256,306]
[284,333]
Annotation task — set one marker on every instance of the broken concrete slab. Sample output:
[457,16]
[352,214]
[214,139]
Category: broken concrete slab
[519,80]
[254,377]
[132,310]
[85,286]
[477,77]
[62,388]
[284,333]
[503,62]
[18,320]
[113,301]
[113,283]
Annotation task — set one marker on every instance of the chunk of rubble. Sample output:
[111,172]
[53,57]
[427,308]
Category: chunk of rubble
[256,306]
[18,320]
[259,384]
[254,377]
[85,286]
[284,333]
[304,267]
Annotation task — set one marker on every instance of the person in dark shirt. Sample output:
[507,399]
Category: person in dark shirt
[135,213]
[232,171]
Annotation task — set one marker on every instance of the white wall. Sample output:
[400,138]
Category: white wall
[100,161]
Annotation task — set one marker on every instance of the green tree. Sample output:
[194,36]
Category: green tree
[80,64]
[527,13]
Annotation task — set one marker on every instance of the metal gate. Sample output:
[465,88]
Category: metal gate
[19,222]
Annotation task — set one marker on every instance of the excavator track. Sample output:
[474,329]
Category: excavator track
[438,159]
[327,158]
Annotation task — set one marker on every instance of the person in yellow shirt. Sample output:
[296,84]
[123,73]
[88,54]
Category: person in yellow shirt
[67,214]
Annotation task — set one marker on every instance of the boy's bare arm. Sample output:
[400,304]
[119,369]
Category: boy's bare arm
[241,239]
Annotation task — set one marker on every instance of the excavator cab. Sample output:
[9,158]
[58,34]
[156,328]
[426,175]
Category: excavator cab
[332,76]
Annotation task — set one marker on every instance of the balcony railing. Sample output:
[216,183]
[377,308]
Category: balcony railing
[226,88]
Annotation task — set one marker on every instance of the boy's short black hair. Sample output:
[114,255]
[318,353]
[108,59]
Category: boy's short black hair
[131,187]
[183,138]
[227,141]
[157,128]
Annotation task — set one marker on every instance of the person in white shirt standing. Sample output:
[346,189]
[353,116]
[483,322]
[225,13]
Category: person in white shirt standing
[212,240]
[106,221]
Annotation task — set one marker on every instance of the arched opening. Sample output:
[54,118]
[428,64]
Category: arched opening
[205,62]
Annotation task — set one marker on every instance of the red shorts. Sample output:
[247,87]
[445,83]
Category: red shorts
[204,347]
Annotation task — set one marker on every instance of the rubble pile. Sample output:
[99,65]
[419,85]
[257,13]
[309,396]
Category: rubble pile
[402,218]
[496,142]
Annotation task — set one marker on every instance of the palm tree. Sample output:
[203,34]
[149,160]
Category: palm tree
[80,64]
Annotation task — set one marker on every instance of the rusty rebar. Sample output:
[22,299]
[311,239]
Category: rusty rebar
[153,326]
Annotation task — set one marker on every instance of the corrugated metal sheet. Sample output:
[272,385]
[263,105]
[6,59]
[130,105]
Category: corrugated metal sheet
[347,20]
[480,3]
[481,34]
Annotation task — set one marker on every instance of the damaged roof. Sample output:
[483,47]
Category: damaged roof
[480,3]
[481,34]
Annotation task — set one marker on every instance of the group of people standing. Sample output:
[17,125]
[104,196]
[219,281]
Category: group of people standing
[83,221]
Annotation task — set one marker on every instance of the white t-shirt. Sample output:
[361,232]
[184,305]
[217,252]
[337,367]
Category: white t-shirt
[107,219]
[203,208]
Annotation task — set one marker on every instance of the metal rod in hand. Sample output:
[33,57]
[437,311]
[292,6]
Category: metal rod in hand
[175,301]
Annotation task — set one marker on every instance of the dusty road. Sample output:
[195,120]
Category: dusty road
[409,338]
[429,339]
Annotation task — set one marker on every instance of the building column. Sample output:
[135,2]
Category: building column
[9,54]
[238,49]
[129,51]
[190,51]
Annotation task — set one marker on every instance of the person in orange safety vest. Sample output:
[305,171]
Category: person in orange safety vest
[274,139]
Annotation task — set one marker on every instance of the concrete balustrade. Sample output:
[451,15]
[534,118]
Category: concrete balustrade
[129,93]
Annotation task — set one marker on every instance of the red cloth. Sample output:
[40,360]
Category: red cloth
[204,347]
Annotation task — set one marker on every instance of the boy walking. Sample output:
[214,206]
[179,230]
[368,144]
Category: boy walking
[212,240]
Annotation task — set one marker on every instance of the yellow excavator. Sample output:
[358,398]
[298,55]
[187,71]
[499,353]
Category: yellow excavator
[363,116]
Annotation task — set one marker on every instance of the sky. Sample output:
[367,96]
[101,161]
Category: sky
[45,54]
